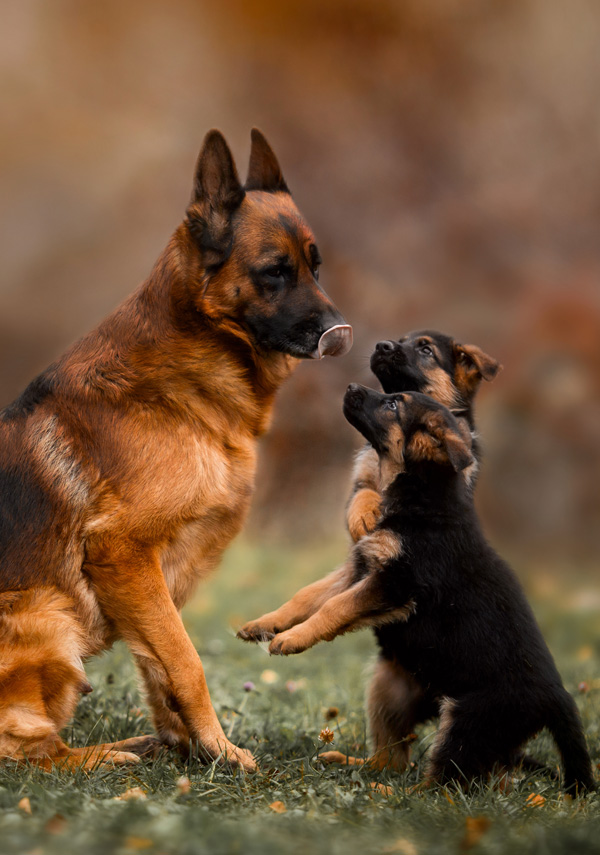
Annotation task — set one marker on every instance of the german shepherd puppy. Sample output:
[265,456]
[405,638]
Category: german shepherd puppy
[449,615]
[422,361]
[127,467]
[437,365]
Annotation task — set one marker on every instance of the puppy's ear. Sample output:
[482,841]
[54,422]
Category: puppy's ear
[216,194]
[264,172]
[459,453]
[472,359]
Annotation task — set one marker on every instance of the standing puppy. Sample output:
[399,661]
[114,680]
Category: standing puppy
[456,634]
[423,361]
[437,365]
[127,467]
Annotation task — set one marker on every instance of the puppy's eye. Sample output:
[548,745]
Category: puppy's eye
[391,405]
[426,350]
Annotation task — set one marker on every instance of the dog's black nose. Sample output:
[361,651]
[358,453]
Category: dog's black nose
[385,346]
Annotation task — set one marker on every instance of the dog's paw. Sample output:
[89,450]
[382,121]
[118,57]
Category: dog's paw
[254,630]
[363,514]
[287,643]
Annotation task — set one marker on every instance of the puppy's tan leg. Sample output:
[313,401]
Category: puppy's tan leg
[132,591]
[356,607]
[302,605]
[364,505]
[363,513]
[395,706]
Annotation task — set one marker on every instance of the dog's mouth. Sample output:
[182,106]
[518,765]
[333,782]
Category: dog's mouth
[336,341]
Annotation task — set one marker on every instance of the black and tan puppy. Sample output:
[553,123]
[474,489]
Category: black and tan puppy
[437,365]
[457,637]
[423,361]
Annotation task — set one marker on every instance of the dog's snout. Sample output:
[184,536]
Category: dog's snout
[385,346]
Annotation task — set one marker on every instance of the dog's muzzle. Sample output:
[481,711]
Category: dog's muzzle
[336,341]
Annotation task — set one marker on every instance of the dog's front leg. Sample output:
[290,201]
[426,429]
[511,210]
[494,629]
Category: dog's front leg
[303,604]
[364,505]
[133,594]
[354,608]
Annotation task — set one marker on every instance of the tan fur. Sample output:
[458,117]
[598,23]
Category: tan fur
[446,717]
[348,611]
[302,605]
[392,699]
[379,547]
[134,461]
[365,503]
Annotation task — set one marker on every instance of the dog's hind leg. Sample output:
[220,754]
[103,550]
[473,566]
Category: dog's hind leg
[396,704]
[41,678]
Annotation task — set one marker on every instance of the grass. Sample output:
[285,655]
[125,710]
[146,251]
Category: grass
[327,809]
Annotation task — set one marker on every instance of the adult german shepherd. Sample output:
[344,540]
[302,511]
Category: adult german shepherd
[127,467]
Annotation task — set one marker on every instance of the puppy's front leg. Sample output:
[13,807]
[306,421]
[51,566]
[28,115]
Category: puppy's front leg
[356,607]
[128,581]
[364,505]
[303,604]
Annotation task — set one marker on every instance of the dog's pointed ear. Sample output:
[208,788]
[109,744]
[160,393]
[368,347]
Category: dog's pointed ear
[475,360]
[458,451]
[264,172]
[216,180]
[216,194]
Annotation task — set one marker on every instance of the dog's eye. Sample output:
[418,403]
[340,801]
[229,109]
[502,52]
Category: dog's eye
[315,270]
[276,272]
[391,405]
[277,275]
[426,350]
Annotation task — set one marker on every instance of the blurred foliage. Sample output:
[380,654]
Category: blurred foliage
[446,155]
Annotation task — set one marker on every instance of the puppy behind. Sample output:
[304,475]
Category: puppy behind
[457,637]
[437,365]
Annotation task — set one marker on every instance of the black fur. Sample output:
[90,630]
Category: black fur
[473,642]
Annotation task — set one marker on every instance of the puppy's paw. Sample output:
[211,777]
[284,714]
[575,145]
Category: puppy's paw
[254,630]
[363,514]
[287,643]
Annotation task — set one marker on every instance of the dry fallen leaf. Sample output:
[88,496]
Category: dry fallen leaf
[133,793]
[183,785]
[535,800]
[56,824]
[475,828]
[138,843]
[25,805]
[381,788]
[278,807]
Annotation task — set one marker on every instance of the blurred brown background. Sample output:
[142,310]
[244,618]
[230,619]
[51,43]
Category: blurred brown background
[447,155]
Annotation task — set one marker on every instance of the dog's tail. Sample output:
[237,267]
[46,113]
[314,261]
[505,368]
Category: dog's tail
[567,730]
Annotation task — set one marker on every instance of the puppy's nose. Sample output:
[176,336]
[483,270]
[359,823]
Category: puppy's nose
[384,346]
[353,387]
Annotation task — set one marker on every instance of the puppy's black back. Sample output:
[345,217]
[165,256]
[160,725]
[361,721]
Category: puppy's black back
[473,637]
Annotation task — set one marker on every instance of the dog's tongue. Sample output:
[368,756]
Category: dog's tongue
[336,341]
